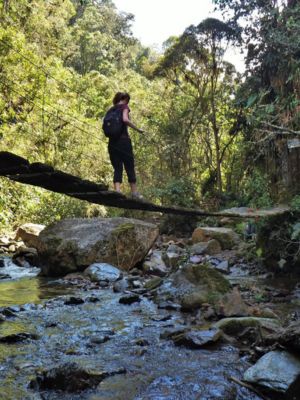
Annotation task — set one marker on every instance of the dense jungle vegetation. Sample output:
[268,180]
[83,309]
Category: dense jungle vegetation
[210,128]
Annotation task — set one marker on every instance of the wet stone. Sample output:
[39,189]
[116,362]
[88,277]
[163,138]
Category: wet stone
[173,332]
[120,286]
[223,267]
[8,312]
[99,272]
[276,370]
[73,301]
[92,299]
[99,339]
[4,276]
[168,305]
[142,342]
[198,339]
[2,263]
[70,377]
[18,337]
[103,284]
[162,318]
[129,299]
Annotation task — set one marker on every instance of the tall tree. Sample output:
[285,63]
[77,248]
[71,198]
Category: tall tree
[197,58]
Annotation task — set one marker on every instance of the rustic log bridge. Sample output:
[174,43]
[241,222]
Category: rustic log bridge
[20,170]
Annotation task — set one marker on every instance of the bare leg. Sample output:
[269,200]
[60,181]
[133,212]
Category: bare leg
[117,186]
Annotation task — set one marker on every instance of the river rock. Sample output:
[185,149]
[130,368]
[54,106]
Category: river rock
[277,370]
[234,326]
[155,265]
[29,233]
[172,256]
[70,377]
[198,339]
[211,248]
[288,337]
[74,244]
[121,286]
[232,305]
[129,299]
[18,337]
[25,255]
[193,285]
[226,236]
[103,272]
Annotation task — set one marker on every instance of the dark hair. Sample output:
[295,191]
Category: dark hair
[119,96]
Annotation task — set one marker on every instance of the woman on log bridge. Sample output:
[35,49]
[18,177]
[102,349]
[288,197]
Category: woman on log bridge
[119,145]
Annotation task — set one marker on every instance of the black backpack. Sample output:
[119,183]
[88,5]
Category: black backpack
[113,125]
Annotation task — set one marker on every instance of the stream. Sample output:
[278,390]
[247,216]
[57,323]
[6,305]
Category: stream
[63,325]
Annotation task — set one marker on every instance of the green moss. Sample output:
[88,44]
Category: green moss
[211,278]
[122,228]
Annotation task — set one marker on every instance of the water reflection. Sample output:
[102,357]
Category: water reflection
[19,292]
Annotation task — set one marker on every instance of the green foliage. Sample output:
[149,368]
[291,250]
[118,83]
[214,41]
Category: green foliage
[180,192]
[62,62]
[295,203]
[256,190]
[270,93]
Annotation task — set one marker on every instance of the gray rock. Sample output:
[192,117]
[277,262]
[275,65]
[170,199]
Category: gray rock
[25,256]
[211,247]
[18,337]
[155,265]
[72,244]
[277,370]
[226,236]
[232,305]
[193,285]
[173,255]
[171,259]
[72,300]
[29,233]
[129,299]
[120,286]
[234,326]
[198,338]
[103,272]
[71,378]
[223,267]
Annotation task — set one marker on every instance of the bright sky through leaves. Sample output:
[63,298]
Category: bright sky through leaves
[157,20]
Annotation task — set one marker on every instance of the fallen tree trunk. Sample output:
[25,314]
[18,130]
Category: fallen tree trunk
[20,170]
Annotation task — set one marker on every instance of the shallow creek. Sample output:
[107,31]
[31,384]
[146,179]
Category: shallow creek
[149,367]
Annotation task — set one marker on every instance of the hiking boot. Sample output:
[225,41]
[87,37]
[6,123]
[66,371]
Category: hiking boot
[137,196]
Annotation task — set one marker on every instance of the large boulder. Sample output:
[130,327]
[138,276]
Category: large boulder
[193,285]
[226,236]
[278,371]
[74,244]
[29,233]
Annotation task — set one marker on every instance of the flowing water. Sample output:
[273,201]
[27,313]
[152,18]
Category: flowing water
[152,368]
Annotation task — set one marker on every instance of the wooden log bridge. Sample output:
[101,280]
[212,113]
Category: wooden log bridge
[42,175]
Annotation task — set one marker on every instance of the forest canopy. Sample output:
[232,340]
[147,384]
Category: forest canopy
[214,137]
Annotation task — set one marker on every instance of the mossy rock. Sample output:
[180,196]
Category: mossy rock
[193,285]
[234,326]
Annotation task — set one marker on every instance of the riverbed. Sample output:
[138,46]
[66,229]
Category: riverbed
[100,334]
